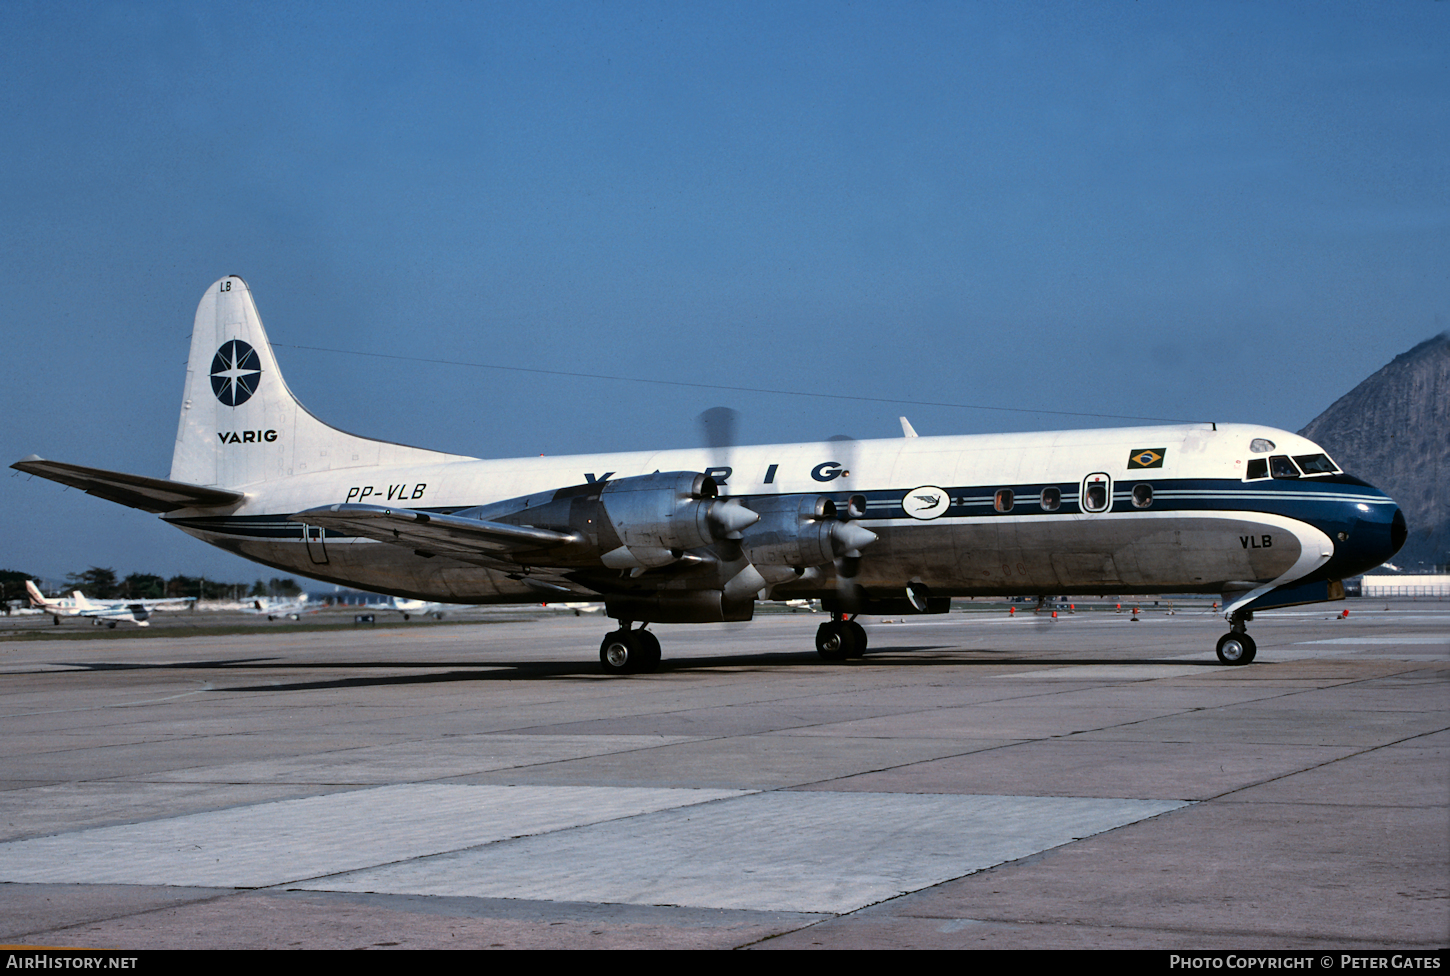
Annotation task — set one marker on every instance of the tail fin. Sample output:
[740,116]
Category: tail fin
[240,424]
[37,599]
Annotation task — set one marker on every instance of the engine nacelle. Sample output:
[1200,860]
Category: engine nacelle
[794,530]
[628,523]
[657,517]
[800,531]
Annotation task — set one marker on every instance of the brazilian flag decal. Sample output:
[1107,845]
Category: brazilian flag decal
[1146,457]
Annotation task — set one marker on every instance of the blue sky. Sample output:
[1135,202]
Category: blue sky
[1180,210]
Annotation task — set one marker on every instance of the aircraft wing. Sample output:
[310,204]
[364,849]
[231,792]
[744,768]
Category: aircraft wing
[132,490]
[179,603]
[432,532]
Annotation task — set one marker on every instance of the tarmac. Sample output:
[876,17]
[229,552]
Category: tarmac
[978,780]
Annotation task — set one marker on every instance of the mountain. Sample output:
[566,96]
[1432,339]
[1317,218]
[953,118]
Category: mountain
[1393,430]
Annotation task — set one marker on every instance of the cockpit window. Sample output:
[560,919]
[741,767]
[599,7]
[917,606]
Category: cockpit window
[1260,445]
[1312,464]
[1258,468]
[1281,467]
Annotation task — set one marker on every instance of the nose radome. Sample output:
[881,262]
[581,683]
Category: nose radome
[1399,532]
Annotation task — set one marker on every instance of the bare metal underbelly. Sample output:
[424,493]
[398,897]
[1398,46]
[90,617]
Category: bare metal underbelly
[1182,552]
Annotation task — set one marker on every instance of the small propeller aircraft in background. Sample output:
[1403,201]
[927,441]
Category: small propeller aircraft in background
[108,612]
[899,526]
[274,608]
[415,608]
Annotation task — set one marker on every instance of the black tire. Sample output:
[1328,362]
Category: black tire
[1235,650]
[859,633]
[836,641]
[649,651]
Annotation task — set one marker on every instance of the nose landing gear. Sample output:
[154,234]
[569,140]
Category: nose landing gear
[1237,647]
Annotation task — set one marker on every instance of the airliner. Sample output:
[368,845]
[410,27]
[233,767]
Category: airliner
[108,612]
[873,527]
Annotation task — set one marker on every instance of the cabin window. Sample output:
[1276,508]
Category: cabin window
[1281,467]
[1096,493]
[1004,500]
[1142,496]
[1051,499]
[1258,469]
[856,506]
[1312,464]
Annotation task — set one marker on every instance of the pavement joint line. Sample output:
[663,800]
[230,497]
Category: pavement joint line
[1321,765]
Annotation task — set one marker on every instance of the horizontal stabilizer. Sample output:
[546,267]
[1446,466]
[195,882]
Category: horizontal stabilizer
[132,490]
[432,532]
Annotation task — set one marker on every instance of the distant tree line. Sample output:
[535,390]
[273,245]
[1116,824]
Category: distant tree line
[12,586]
[101,583]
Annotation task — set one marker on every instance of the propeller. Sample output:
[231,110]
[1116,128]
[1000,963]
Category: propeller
[848,538]
[718,426]
[717,429]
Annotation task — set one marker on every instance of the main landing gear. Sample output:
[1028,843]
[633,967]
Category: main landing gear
[629,651]
[1237,647]
[637,651]
[840,638]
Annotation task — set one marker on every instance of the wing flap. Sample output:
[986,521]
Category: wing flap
[431,531]
[132,490]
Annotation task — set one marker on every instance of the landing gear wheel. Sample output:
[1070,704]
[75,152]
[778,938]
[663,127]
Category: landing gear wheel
[859,633]
[836,641]
[619,653]
[630,652]
[1235,649]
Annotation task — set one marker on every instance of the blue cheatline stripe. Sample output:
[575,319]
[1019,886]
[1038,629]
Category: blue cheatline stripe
[1293,500]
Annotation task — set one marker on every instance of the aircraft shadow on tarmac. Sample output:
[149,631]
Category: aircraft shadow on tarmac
[474,670]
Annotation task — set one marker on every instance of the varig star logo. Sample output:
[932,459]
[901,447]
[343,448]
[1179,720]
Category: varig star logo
[927,502]
[1146,457]
[235,373]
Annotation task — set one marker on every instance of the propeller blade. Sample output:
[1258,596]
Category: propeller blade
[717,427]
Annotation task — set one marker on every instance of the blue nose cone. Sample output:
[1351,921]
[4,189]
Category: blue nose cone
[1374,531]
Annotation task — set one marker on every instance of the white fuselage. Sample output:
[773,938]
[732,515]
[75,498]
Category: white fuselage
[1204,527]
